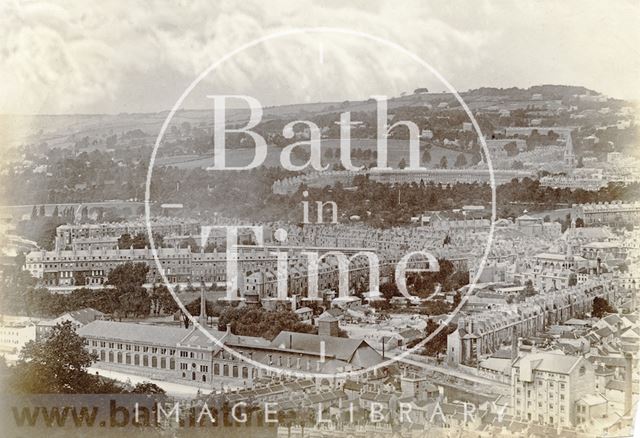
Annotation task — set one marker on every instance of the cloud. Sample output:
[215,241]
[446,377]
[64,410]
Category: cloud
[69,56]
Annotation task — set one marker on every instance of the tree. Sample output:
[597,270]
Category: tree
[579,222]
[426,156]
[461,160]
[444,162]
[456,280]
[190,242]
[164,300]
[55,212]
[573,279]
[139,241]
[258,322]
[437,344]
[56,365]
[42,211]
[79,278]
[601,307]
[128,273]
[135,301]
[528,291]
[511,148]
[402,164]
[34,212]
[389,290]
[147,388]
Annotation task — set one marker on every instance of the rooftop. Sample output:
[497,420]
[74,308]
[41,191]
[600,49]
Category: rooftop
[132,332]
[548,362]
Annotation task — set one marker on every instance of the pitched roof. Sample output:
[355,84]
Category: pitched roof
[410,333]
[327,317]
[352,385]
[592,399]
[340,348]
[133,332]
[549,362]
[618,385]
[498,365]
[86,315]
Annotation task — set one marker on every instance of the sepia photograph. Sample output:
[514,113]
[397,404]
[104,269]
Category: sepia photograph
[318,219]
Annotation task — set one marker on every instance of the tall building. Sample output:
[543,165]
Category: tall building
[546,387]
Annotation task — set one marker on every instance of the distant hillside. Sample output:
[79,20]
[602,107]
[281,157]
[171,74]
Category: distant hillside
[65,130]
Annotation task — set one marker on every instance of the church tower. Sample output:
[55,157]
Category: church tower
[569,156]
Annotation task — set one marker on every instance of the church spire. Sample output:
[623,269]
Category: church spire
[202,319]
[569,156]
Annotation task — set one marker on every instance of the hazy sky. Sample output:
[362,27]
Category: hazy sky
[128,56]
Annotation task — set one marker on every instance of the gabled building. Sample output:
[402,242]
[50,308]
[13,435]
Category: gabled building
[546,388]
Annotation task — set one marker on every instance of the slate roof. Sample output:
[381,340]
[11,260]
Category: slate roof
[327,317]
[87,315]
[132,332]
[340,348]
[549,362]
